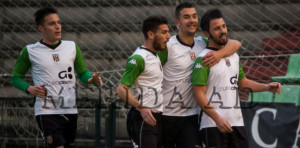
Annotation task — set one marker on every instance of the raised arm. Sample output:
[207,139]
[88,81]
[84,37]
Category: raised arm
[214,57]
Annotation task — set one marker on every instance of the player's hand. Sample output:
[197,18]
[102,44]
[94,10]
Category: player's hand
[223,125]
[274,87]
[38,90]
[212,58]
[96,79]
[146,114]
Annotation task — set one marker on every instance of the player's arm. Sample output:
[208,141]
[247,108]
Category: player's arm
[255,86]
[84,75]
[134,67]
[22,65]
[163,56]
[199,82]
[222,124]
[214,57]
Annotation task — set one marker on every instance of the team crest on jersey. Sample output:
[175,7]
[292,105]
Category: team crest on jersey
[227,62]
[198,65]
[193,55]
[55,57]
[132,61]
[49,139]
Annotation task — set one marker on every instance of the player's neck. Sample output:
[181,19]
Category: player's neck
[147,44]
[50,42]
[212,44]
[187,39]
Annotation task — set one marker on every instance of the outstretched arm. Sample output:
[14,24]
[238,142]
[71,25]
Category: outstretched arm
[258,87]
[222,124]
[126,96]
[214,57]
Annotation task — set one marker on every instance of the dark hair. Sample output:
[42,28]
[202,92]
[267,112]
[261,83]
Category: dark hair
[182,6]
[151,24]
[41,13]
[208,16]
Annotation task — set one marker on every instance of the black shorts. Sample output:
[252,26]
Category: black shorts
[142,134]
[212,137]
[58,130]
[180,132]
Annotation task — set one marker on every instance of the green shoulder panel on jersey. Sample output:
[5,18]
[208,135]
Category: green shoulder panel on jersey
[205,40]
[241,72]
[200,73]
[80,67]
[134,67]
[22,65]
[163,56]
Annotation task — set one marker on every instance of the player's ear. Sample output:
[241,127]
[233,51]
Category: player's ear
[206,34]
[150,35]
[177,23]
[40,28]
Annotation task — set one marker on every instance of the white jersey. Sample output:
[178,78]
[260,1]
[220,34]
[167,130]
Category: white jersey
[221,88]
[177,86]
[55,68]
[145,75]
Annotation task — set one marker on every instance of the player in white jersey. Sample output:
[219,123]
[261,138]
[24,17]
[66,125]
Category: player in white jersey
[180,113]
[53,64]
[144,75]
[216,89]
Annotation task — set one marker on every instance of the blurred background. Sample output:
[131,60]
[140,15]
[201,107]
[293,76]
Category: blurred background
[107,32]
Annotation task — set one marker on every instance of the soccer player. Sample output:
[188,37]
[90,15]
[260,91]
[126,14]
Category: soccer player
[216,89]
[53,64]
[144,75]
[180,113]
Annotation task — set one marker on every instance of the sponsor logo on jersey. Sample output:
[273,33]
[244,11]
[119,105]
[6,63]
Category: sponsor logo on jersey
[198,65]
[132,61]
[227,62]
[193,55]
[55,57]
[66,74]
[233,80]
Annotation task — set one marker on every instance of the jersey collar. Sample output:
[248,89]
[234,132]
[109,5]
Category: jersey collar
[142,47]
[51,46]
[181,42]
[212,48]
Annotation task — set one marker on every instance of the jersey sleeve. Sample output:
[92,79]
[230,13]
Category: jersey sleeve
[200,73]
[134,67]
[241,73]
[21,67]
[80,67]
[205,40]
[163,56]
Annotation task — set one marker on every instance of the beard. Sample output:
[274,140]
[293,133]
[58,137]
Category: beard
[157,46]
[218,41]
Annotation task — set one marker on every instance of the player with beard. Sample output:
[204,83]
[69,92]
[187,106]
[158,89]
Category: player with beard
[180,113]
[144,75]
[215,89]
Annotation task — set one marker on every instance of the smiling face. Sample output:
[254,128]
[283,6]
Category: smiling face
[161,37]
[218,31]
[187,21]
[51,29]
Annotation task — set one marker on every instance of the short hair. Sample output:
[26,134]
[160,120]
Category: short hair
[208,16]
[41,13]
[151,24]
[182,6]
